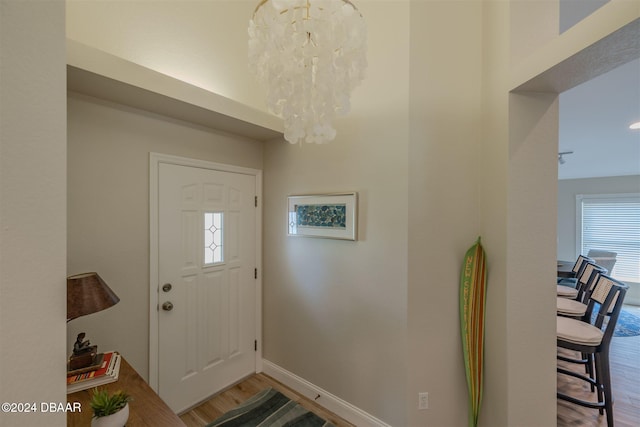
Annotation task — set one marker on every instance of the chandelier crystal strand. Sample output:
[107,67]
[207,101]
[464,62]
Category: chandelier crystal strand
[310,54]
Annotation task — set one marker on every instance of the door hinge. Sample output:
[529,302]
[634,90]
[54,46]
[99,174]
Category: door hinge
[256,201]
[255,345]
[255,273]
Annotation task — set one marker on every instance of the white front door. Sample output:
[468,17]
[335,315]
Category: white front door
[207,291]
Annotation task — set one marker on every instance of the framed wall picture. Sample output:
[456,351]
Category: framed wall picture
[330,216]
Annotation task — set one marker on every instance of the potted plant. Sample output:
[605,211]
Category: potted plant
[109,410]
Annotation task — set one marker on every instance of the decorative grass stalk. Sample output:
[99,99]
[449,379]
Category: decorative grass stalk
[473,284]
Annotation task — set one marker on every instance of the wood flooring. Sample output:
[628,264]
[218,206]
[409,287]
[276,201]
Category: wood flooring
[233,396]
[625,373]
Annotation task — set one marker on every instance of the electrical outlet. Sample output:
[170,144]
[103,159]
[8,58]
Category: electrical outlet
[423,400]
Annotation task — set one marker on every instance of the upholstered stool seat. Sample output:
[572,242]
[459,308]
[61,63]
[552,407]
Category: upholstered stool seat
[578,332]
[570,307]
[567,292]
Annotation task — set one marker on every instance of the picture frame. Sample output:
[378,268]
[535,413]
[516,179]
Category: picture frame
[328,216]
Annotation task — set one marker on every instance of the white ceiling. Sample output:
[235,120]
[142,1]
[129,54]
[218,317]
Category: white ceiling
[594,124]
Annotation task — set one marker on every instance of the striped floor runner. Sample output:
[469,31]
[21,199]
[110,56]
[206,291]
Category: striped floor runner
[269,408]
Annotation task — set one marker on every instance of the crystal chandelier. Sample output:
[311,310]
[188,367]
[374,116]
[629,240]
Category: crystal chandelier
[310,54]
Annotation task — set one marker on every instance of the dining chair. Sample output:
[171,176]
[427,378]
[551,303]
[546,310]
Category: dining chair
[576,271]
[570,287]
[575,305]
[592,338]
[578,307]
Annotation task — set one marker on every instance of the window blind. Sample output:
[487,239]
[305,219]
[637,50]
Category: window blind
[612,223]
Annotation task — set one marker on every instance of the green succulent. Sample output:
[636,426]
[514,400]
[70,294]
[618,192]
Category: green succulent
[104,404]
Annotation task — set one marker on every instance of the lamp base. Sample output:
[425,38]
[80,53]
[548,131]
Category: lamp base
[87,359]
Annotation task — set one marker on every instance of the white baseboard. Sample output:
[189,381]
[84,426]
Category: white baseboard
[333,403]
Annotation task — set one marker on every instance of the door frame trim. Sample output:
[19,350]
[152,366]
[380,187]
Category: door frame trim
[155,159]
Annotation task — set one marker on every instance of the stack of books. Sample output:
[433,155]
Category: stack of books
[105,374]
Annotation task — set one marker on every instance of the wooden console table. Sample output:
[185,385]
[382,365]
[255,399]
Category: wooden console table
[146,408]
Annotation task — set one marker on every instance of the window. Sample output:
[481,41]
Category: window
[612,223]
[213,253]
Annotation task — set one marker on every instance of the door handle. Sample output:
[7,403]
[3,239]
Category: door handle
[166,287]
[167,306]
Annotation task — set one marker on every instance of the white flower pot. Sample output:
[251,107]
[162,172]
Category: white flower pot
[119,419]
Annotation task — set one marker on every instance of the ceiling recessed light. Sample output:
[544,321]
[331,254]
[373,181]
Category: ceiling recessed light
[635,125]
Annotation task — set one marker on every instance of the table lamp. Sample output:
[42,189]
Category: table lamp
[86,293]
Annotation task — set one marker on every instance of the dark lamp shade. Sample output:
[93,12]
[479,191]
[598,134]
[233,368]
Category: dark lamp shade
[87,293]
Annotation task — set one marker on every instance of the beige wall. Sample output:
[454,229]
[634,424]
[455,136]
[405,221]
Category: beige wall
[335,312]
[108,207]
[531,193]
[493,176]
[203,43]
[531,235]
[444,145]
[32,209]
[440,152]
[32,172]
